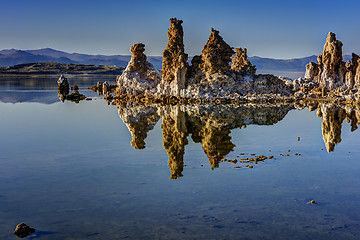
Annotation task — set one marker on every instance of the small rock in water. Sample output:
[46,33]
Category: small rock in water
[313,202]
[75,87]
[22,230]
[298,139]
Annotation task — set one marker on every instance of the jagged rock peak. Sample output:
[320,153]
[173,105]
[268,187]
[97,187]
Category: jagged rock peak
[216,55]
[240,63]
[330,70]
[352,76]
[174,65]
[138,58]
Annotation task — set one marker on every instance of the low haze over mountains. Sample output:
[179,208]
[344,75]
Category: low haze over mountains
[13,56]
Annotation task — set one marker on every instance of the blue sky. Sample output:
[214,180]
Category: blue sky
[278,29]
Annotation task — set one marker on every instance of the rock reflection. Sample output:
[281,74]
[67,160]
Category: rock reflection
[139,119]
[209,125]
[174,128]
[333,117]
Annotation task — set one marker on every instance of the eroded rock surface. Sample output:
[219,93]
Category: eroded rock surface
[216,55]
[174,65]
[140,76]
[331,72]
[240,63]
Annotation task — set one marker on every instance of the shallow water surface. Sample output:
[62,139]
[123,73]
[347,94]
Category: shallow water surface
[97,171]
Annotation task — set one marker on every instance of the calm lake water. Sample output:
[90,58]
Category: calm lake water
[97,171]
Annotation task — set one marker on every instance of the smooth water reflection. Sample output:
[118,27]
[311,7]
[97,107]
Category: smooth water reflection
[211,125]
[75,171]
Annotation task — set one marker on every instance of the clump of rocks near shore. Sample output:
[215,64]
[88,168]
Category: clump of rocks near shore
[221,74]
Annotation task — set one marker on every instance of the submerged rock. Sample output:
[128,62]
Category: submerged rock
[75,97]
[22,230]
[140,76]
[102,88]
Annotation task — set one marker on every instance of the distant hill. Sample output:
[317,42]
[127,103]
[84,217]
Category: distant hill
[12,57]
[60,68]
[291,65]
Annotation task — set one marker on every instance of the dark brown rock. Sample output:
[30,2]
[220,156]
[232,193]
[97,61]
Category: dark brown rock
[241,64]
[75,87]
[138,59]
[216,55]
[22,230]
[63,85]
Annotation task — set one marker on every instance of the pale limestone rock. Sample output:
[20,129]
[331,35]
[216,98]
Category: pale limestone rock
[140,76]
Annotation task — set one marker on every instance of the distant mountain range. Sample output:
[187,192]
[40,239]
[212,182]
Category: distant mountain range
[13,56]
[46,55]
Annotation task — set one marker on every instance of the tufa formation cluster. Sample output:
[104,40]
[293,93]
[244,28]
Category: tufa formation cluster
[331,72]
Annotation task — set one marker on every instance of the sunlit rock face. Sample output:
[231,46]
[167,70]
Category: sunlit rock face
[140,76]
[352,76]
[216,55]
[139,119]
[174,65]
[241,64]
[209,77]
[331,72]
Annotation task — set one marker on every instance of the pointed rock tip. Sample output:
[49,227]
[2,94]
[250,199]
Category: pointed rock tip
[331,37]
[175,20]
[137,47]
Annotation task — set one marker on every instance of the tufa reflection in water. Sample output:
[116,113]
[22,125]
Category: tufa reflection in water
[333,117]
[209,125]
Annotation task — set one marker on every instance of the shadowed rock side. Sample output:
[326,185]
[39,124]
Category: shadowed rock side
[209,125]
[139,119]
[140,76]
[333,117]
[331,72]
[174,65]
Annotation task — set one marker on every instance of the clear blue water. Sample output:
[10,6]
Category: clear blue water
[75,171]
